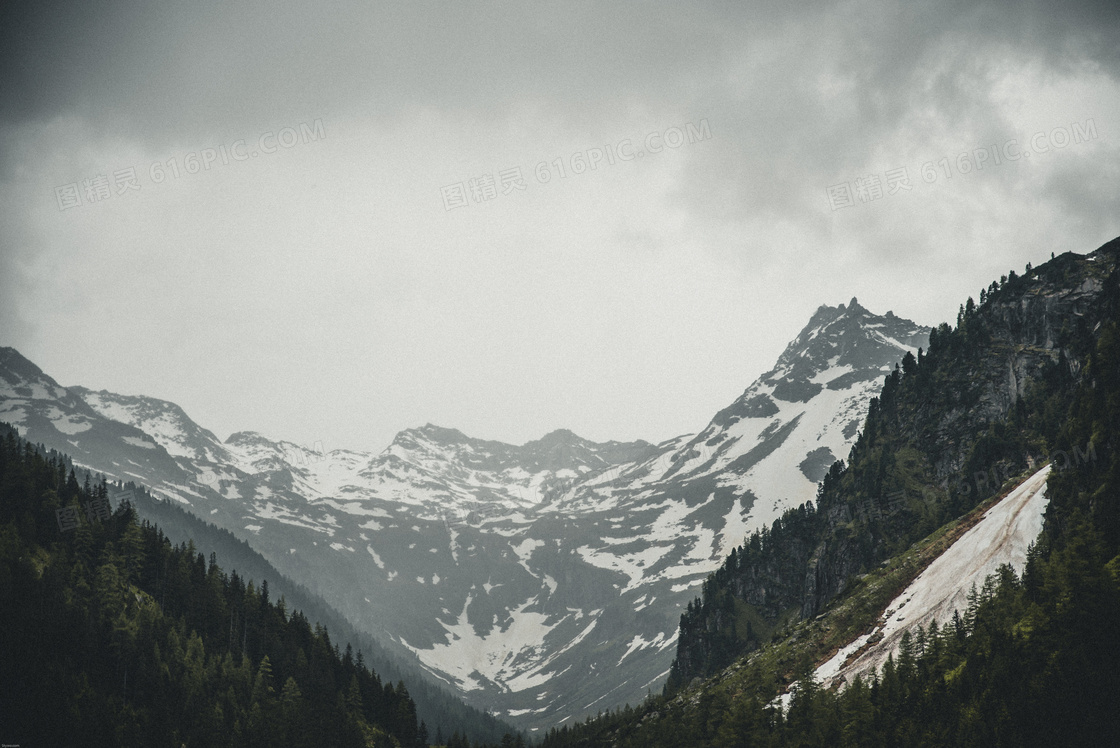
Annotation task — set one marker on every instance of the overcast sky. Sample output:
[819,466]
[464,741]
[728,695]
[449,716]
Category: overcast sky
[334,275]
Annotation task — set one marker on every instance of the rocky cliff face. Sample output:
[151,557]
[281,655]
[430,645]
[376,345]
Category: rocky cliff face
[958,422]
[945,431]
[1022,330]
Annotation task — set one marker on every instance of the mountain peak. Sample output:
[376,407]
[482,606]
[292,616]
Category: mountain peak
[561,436]
[247,437]
[439,433]
[826,313]
[152,405]
[847,336]
[163,420]
[13,361]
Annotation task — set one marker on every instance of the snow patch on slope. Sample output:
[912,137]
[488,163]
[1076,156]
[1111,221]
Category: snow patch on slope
[1001,537]
[501,656]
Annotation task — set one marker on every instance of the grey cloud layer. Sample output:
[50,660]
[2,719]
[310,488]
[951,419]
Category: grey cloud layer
[797,96]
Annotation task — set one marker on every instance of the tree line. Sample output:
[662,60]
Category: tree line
[115,636]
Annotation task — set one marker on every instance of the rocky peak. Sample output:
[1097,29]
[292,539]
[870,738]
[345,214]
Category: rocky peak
[13,363]
[25,379]
[847,336]
[167,423]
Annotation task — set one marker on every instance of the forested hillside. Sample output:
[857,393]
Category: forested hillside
[114,636]
[443,713]
[984,403]
[1030,375]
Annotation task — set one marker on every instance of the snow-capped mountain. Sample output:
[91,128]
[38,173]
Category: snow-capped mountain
[61,418]
[164,422]
[804,413]
[512,573]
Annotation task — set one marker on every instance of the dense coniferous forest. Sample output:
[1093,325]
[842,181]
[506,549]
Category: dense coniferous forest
[443,713]
[114,636]
[1034,660]
[916,464]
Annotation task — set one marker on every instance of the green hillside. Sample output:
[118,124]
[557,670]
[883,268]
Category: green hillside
[1029,375]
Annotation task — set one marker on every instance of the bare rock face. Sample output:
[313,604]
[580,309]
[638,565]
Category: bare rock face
[933,443]
[1029,324]
[1026,327]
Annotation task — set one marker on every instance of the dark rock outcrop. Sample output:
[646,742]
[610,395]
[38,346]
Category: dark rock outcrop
[948,427]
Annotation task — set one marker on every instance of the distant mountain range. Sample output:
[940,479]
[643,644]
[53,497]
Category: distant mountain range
[543,581]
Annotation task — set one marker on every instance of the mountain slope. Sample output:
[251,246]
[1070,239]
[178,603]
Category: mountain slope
[439,709]
[944,433]
[1030,375]
[63,419]
[511,572]
[37,404]
[130,641]
[1002,536]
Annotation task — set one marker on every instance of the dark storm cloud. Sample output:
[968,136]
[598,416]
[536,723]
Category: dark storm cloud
[904,74]
[1086,192]
[153,71]
[798,96]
